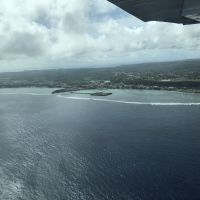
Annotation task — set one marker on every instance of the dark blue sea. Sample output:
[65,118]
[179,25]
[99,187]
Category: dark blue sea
[132,145]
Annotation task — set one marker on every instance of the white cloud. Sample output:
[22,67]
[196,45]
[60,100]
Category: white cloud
[60,33]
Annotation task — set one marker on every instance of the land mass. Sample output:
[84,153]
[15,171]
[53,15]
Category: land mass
[177,75]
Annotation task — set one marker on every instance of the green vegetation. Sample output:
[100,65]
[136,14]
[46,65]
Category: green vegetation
[180,75]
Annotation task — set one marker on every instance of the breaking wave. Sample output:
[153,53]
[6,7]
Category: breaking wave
[133,102]
[112,100]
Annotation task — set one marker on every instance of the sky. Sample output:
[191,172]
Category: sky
[43,34]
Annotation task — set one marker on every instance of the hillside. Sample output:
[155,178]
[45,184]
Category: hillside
[179,74]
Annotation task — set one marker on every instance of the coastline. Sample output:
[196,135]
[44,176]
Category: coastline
[57,90]
[185,90]
[125,96]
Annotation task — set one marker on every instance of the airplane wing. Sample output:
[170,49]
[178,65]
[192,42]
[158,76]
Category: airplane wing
[176,11]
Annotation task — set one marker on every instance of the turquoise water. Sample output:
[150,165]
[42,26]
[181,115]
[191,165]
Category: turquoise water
[140,96]
[134,96]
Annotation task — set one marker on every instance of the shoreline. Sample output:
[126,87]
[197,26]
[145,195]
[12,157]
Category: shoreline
[58,90]
[63,90]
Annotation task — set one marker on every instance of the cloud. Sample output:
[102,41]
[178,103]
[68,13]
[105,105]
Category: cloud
[25,44]
[59,33]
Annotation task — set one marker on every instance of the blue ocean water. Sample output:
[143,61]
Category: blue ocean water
[138,145]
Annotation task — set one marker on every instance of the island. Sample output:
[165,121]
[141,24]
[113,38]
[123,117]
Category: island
[101,94]
[63,90]
[183,76]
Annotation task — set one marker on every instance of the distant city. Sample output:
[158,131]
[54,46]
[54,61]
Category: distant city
[179,76]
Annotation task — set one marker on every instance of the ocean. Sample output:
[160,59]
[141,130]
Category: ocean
[132,145]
